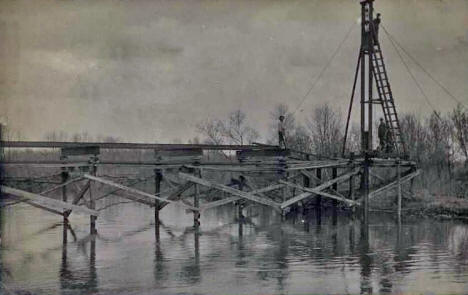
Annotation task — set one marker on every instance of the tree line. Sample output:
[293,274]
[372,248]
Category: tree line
[438,139]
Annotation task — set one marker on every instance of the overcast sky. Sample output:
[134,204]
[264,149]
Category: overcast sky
[149,70]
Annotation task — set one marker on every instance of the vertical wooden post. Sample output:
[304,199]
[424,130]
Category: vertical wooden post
[318,199]
[240,203]
[65,177]
[335,186]
[365,178]
[306,183]
[196,201]
[157,190]
[92,202]
[399,188]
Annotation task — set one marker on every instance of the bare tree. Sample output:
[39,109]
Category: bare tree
[459,118]
[212,130]
[300,140]
[415,136]
[440,140]
[325,127]
[237,131]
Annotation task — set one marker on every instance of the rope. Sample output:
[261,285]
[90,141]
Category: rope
[392,39]
[323,69]
[411,74]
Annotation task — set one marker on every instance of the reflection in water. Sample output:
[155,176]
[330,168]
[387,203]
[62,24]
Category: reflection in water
[317,252]
[82,279]
[365,260]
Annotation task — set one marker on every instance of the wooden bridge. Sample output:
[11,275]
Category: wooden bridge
[183,176]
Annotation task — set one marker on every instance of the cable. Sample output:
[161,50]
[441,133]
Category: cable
[422,68]
[323,69]
[411,74]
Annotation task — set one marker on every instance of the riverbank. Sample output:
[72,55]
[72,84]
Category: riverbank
[438,206]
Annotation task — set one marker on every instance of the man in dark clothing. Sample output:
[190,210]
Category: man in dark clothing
[281,133]
[389,141]
[376,24]
[382,132]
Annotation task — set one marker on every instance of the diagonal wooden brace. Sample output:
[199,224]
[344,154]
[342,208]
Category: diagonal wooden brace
[318,189]
[47,202]
[136,191]
[230,190]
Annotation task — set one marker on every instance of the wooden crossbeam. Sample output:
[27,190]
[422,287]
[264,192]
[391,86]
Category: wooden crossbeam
[61,185]
[266,189]
[80,150]
[394,183]
[48,202]
[318,192]
[406,192]
[233,199]
[230,190]
[123,145]
[81,193]
[219,203]
[319,165]
[176,194]
[135,191]
[79,196]
[310,191]
[311,175]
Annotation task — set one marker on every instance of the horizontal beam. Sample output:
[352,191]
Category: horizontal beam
[135,191]
[122,145]
[230,190]
[47,202]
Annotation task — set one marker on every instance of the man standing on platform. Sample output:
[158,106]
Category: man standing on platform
[281,133]
[376,24]
[382,132]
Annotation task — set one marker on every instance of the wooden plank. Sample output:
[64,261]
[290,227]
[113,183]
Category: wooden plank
[23,200]
[311,191]
[48,202]
[230,190]
[135,191]
[139,199]
[80,150]
[190,153]
[123,145]
[319,192]
[319,165]
[176,194]
[266,189]
[394,183]
[262,153]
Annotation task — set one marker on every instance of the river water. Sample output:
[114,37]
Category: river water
[304,254]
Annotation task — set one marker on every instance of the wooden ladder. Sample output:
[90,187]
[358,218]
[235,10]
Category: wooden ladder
[386,98]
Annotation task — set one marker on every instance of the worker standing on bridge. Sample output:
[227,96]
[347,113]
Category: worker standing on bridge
[382,133]
[376,24]
[281,133]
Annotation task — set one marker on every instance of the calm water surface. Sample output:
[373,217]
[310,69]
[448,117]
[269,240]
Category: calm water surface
[302,255]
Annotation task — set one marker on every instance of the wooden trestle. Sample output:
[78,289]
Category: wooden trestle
[263,175]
